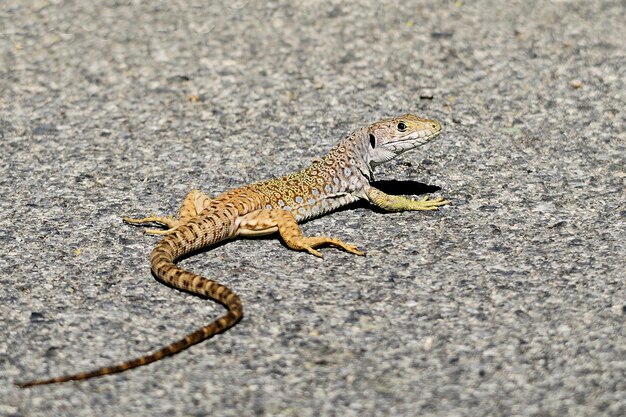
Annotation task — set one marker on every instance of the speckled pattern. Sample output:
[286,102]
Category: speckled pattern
[509,302]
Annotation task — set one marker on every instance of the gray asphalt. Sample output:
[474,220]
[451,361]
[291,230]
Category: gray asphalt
[510,302]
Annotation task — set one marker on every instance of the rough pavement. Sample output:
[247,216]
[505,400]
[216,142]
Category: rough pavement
[510,302]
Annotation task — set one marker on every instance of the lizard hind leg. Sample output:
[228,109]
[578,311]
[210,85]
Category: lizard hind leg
[269,221]
[194,203]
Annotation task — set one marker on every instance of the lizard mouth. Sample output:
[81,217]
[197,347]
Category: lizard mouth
[423,134]
[429,131]
[415,139]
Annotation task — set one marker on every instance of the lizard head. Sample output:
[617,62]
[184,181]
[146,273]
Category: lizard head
[389,138]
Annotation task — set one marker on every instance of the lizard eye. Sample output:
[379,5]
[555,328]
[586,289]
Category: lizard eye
[402,127]
[372,141]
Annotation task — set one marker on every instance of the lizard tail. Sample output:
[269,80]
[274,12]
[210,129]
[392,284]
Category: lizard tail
[163,261]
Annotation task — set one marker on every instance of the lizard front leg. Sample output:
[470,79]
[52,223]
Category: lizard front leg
[400,203]
[194,203]
[263,222]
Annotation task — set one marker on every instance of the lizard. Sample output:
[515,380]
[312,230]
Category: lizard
[278,205]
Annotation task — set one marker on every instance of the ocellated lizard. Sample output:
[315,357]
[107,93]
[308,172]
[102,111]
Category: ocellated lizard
[277,205]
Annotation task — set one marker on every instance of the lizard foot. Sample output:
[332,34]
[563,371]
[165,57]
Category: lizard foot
[308,243]
[425,203]
[169,221]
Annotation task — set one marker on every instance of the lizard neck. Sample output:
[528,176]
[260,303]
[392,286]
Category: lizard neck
[351,152]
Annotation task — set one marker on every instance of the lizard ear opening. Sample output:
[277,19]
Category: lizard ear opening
[372,141]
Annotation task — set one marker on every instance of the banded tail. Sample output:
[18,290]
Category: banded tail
[183,240]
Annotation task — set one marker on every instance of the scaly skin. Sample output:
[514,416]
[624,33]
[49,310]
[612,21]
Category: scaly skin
[277,205]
